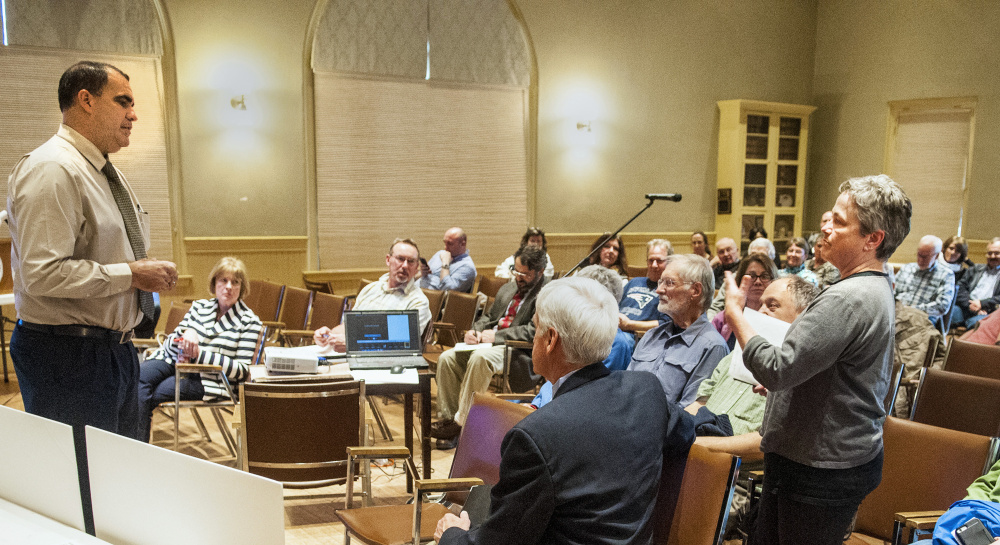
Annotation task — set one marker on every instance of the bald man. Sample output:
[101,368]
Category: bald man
[450,269]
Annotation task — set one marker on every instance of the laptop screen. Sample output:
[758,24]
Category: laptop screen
[384,332]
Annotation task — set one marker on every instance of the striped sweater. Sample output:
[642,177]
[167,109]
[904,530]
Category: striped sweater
[229,341]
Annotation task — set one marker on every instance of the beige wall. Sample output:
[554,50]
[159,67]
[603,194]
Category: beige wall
[869,53]
[647,74]
[243,172]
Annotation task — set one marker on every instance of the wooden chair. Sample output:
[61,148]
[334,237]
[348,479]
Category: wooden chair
[327,310]
[216,405]
[926,468]
[957,402]
[516,356]
[490,285]
[264,300]
[477,461]
[697,513]
[298,433]
[456,318]
[435,300]
[968,358]
[636,271]
[294,313]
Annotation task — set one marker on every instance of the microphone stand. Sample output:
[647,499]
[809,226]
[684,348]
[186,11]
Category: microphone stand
[598,247]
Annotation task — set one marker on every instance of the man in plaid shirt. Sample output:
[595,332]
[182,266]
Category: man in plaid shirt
[925,285]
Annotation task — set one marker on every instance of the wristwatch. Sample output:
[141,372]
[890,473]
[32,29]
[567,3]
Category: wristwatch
[446,266]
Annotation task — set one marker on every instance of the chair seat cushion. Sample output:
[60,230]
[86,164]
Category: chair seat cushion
[391,524]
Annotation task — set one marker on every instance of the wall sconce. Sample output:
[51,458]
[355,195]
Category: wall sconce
[238,103]
[583,126]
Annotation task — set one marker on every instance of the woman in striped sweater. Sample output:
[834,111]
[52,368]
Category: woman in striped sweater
[218,331]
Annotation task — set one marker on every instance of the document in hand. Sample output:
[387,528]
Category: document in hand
[772,329]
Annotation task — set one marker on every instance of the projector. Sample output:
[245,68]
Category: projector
[288,360]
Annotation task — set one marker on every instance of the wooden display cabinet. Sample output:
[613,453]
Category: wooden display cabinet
[762,164]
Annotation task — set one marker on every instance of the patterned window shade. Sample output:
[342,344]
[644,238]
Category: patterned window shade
[410,159]
[114,26]
[384,38]
[397,155]
[477,41]
[29,115]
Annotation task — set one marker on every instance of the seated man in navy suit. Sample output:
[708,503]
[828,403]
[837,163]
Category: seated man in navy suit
[584,468]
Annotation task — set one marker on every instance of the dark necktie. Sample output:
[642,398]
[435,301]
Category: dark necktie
[131,229]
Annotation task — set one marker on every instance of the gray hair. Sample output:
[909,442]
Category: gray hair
[694,268]
[881,206]
[660,243]
[583,313]
[803,292]
[933,240]
[607,278]
[761,245]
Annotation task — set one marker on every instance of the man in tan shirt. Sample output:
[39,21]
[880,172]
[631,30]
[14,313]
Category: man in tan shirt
[82,282]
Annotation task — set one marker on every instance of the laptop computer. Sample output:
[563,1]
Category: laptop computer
[383,339]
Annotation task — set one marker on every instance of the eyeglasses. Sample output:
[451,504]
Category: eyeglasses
[762,277]
[670,283]
[404,260]
[517,273]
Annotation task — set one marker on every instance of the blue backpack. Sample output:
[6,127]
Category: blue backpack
[960,512]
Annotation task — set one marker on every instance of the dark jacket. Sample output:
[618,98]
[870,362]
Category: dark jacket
[968,283]
[585,468]
[522,375]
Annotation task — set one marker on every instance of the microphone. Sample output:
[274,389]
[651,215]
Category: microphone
[676,197]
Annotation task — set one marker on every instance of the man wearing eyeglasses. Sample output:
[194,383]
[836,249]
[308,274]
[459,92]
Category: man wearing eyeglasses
[686,348]
[637,309]
[396,290]
[979,289]
[461,373]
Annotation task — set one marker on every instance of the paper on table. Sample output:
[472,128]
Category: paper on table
[460,347]
[772,329]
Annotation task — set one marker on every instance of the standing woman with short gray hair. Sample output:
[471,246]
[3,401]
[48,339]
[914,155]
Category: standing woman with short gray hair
[827,382]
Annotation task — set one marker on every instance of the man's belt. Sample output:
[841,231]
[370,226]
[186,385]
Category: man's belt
[85,331]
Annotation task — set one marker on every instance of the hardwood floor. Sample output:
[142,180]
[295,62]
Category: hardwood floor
[309,514]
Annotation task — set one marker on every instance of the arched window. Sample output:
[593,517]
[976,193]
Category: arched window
[421,116]
[44,38]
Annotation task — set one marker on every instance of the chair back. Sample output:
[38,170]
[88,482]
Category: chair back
[636,271]
[478,451]
[298,433]
[264,299]
[174,317]
[926,468]
[327,310]
[435,299]
[697,513]
[490,285]
[460,311]
[957,402]
[295,308]
[968,358]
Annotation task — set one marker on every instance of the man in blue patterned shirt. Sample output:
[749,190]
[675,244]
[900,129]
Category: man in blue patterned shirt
[925,285]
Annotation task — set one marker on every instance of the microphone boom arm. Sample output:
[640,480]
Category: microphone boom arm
[597,248]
